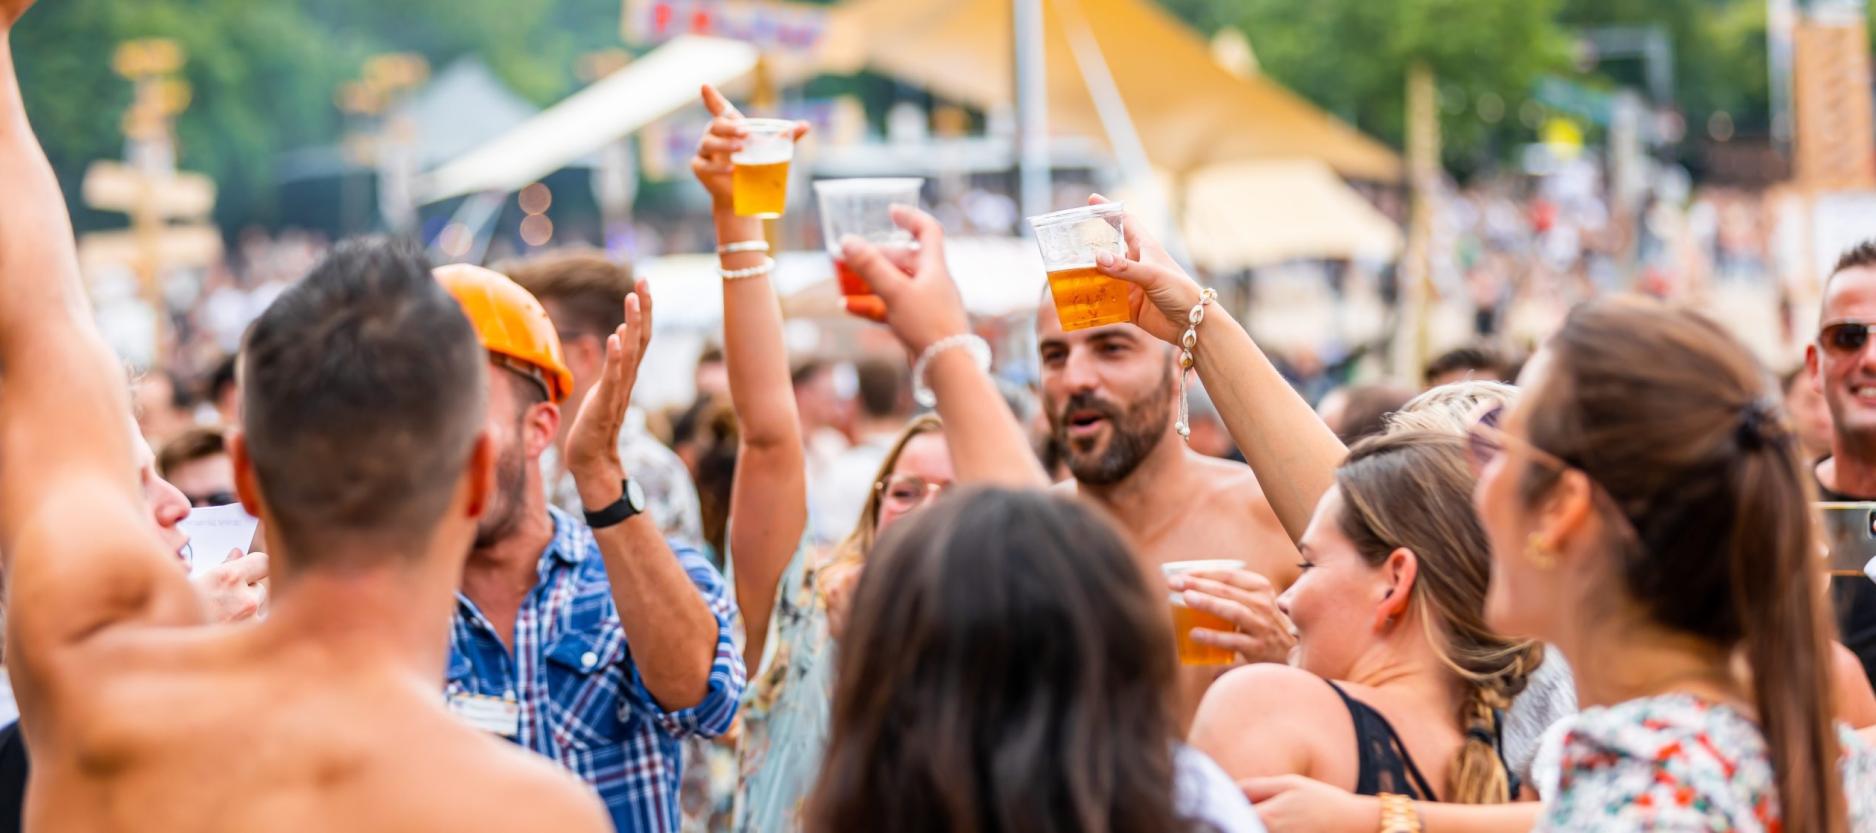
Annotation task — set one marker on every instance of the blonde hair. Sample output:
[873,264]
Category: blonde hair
[1448,409]
[859,542]
[1412,490]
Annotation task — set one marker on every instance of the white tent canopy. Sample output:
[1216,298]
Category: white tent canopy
[1249,214]
[646,90]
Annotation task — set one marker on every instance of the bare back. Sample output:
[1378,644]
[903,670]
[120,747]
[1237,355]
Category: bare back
[241,729]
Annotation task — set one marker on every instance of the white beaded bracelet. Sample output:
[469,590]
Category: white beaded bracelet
[766,266]
[976,346]
[744,246]
[1188,343]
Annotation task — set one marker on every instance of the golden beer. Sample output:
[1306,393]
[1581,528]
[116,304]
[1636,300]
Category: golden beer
[1192,653]
[1086,298]
[760,190]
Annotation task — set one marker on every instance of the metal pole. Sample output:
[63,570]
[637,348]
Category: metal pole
[1032,107]
[1781,17]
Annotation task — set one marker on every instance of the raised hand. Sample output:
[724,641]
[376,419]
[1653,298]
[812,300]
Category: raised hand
[593,442]
[1162,294]
[920,301]
[1261,633]
[722,140]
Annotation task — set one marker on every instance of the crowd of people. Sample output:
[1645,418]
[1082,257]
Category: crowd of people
[1584,590]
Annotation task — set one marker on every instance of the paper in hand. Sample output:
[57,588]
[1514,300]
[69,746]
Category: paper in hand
[214,531]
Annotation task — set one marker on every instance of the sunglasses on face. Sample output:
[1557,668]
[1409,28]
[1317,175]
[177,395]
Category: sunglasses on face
[1845,338]
[216,498]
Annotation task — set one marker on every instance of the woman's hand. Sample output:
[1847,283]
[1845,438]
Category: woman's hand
[920,301]
[712,165]
[593,442]
[1162,295]
[1287,803]
[1261,633]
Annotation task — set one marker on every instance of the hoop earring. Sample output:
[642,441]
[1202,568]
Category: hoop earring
[1540,556]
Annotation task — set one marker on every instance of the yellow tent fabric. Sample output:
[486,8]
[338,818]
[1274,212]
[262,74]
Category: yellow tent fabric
[1249,214]
[1189,111]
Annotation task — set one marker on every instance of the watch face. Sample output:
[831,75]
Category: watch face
[634,496]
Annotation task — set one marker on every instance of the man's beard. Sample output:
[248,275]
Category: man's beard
[505,505]
[1134,433]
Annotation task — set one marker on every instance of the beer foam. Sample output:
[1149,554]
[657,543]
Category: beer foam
[764,153]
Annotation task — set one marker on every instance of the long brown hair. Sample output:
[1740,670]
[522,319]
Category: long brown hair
[1413,489]
[1671,416]
[1007,670]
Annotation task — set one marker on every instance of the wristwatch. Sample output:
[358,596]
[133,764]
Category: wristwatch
[631,502]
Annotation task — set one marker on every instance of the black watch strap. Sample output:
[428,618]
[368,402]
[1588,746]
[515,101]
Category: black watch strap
[631,502]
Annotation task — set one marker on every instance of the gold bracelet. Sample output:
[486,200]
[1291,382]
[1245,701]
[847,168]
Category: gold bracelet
[1398,815]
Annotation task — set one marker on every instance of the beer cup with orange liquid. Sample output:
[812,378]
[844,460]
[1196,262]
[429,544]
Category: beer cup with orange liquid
[860,207]
[1185,618]
[1069,240]
[759,182]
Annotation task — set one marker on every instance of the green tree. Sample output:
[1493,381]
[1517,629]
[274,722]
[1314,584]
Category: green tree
[1351,57]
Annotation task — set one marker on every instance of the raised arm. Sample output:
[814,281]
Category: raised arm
[923,308]
[79,550]
[1292,451]
[769,496]
[683,651]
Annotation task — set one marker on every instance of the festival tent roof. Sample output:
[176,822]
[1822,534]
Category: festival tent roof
[1249,214]
[660,83]
[1188,110]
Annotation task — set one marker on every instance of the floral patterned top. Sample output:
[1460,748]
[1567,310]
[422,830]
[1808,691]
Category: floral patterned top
[785,707]
[1677,762]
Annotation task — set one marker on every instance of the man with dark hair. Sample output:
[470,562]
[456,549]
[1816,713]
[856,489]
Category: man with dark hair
[196,461]
[584,294]
[1111,396]
[1471,362]
[1843,362]
[366,459]
[597,644]
[1358,412]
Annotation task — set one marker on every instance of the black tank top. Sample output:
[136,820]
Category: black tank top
[1384,763]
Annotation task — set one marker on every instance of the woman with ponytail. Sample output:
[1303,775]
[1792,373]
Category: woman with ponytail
[1398,684]
[1647,511]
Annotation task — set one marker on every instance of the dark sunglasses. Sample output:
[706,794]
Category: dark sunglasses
[217,498]
[1845,337]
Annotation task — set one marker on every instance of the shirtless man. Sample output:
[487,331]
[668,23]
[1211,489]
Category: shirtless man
[366,458]
[1111,396]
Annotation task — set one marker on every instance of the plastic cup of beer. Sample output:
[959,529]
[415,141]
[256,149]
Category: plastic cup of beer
[1185,618]
[759,181]
[1069,240]
[860,207]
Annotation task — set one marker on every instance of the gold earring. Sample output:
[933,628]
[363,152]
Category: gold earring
[1540,556]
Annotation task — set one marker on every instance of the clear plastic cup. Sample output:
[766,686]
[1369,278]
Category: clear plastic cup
[860,207]
[1069,240]
[759,182]
[1185,618]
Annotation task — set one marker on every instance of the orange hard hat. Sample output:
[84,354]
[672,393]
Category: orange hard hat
[513,325]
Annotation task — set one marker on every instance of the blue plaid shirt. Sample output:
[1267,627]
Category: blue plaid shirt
[582,701]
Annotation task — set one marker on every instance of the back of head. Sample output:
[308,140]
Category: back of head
[1466,363]
[1413,490]
[363,392]
[1006,669]
[1713,537]
[585,289]
[187,447]
[882,387]
[1449,408]
[1366,411]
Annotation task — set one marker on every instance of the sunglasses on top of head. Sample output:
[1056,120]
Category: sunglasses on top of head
[1845,337]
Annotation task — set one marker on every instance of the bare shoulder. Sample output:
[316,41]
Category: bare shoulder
[501,787]
[1264,719]
[1229,477]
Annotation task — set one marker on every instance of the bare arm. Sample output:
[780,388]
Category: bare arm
[668,624]
[1294,804]
[1292,451]
[922,307]
[79,549]
[769,496]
